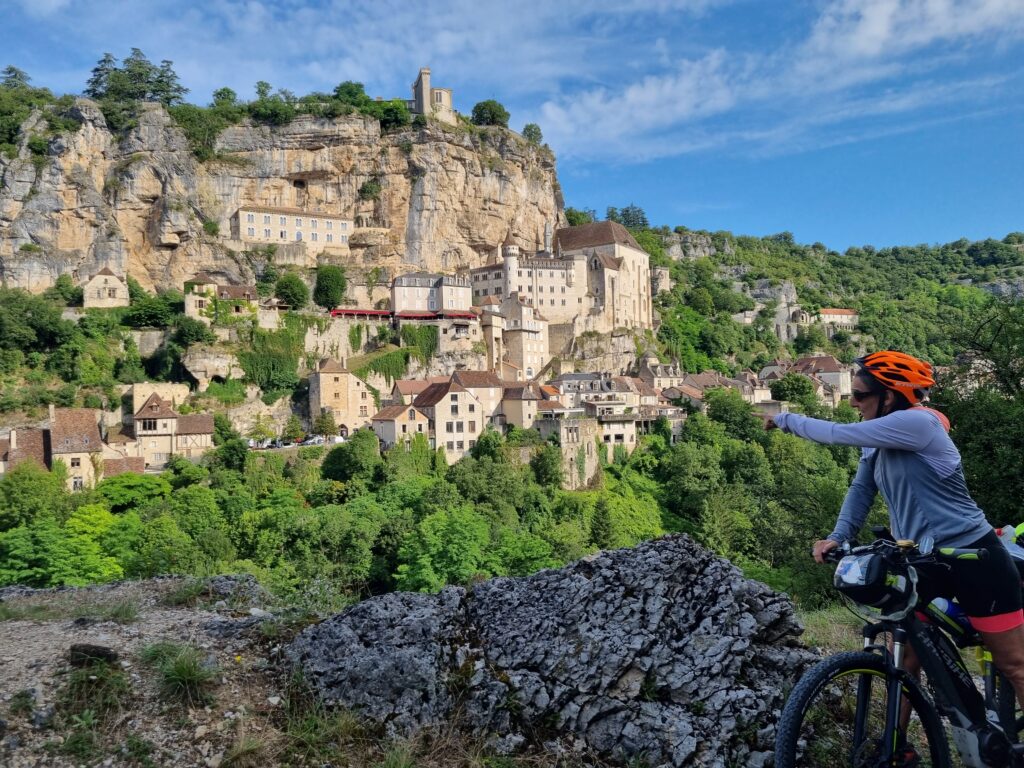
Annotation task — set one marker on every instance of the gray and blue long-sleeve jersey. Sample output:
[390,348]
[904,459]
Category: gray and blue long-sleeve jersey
[908,456]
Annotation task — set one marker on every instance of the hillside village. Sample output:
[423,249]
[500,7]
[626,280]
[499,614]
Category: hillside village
[505,330]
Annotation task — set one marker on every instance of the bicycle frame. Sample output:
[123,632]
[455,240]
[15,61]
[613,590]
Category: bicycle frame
[977,733]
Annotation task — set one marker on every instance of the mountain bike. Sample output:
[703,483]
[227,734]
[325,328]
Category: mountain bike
[862,709]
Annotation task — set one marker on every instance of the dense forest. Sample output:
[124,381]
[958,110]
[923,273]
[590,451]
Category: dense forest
[325,528]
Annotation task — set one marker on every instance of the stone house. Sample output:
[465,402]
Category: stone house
[835,319]
[404,391]
[657,374]
[488,389]
[430,292]
[104,290]
[161,432]
[519,405]
[279,225]
[212,303]
[515,332]
[75,440]
[828,369]
[398,423]
[333,388]
[577,440]
[456,416]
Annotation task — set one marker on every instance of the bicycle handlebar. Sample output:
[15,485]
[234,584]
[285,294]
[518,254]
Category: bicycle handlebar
[910,554]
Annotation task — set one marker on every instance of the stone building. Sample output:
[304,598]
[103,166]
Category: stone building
[260,224]
[75,440]
[210,302]
[661,282]
[515,332]
[430,101]
[333,388]
[104,290]
[657,374]
[597,278]
[835,319]
[429,292]
[398,423]
[577,440]
[161,432]
[456,417]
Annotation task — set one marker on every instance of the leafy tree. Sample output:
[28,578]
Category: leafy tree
[447,547]
[31,323]
[189,330]
[489,445]
[64,291]
[792,387]
[330,286]
[728,408]
[490,112]
[293,430]
[263,89]
[633,217]
[547,466]
[292,290]
[232,454]
[531,132]
[150,312]
[601,534]
[28,492]
[357,459]
[129,491]
[578,217]
[325,425]
[810,338]
[262,429]
[223,430]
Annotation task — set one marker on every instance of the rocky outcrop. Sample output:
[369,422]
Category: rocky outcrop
[689,246]
[144,206]
[663,651]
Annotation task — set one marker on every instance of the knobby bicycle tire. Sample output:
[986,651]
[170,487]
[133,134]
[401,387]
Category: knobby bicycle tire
[817,722]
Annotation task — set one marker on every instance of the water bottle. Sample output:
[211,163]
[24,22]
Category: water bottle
[954,614]
[1009,535]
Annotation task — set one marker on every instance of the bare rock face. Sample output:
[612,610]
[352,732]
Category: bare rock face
[663,651]
[143,205]
[689,246]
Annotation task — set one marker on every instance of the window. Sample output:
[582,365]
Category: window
[200,303]
[344,225]
[563,302]
[451,446]
[449,426]
[529,273]
[362,395]
[298,236]
[460,445]
[149,424]
[455,410]
[298,222]
[412,414]
[454,398]
[563,289]
[472,427]
[284,235]
[330,238]
[251,231]
[362,411]
[283,221]
[312,223]
[405,428]
[329,224]
[250,217]
[313,237]
[111,293]
[459,426]
[77,484]
[75,463]
[419,427]
[344,238]
[266,219]
[266,233]
[337,395]
[472,407]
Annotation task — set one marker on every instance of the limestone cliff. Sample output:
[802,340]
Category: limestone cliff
[448,196]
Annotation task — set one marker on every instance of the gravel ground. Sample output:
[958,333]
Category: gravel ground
[151,729]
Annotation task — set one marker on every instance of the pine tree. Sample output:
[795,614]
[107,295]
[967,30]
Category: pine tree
[99,81]
[601,525]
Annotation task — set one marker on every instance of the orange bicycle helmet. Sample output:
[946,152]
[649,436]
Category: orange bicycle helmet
[900,372]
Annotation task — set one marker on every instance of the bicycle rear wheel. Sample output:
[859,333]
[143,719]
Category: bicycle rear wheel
[818,727]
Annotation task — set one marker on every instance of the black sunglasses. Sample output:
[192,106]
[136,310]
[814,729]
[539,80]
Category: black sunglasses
[858,395]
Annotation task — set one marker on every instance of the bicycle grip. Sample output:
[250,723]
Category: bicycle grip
[964,553]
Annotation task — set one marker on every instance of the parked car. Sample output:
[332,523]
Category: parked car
[314,440]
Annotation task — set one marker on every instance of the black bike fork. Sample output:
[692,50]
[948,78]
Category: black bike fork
[894,698]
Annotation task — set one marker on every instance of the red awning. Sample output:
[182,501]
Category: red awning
[355,312]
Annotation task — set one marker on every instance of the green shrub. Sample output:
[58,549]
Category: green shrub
[230,392]
[370,189]
[211,227]
[30,248]
[184,676]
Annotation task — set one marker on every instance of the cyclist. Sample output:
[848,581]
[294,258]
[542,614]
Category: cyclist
[907,454]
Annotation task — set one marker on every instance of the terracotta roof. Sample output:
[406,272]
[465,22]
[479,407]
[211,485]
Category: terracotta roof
[550,405]
[134,464]
[204,278]
[247,292]
[411,386]
[293,212]
[395,412]
[477,379]
[195,424]
[118,435]
[645,389]
[549,391]
[488,301]
[330,365]
[75,430]
[818,364]
[106,271]
[33,445]
[594,234]
[521,392]
[435,393]
[609,262]
[156,408]
[833,311]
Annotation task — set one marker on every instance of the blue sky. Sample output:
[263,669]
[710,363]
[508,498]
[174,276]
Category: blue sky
[847,122]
